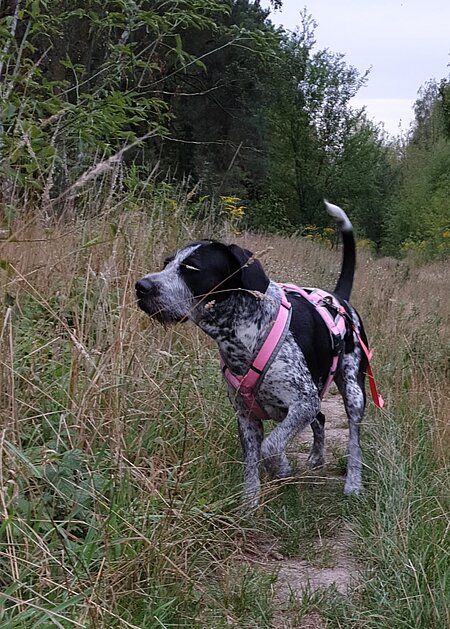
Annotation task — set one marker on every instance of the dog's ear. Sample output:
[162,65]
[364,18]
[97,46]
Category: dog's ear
[252,274]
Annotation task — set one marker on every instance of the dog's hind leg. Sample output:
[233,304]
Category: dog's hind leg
[251,433]
[316,456]
[351,387]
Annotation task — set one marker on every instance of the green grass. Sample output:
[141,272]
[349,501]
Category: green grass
[129,519]
[404,530]
[120,462]
[301,513]
[402,527]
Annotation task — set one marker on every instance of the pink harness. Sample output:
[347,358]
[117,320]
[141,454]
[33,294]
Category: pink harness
[334,316]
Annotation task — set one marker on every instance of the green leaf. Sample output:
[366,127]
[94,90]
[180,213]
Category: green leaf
[178,45]
[35,8]
[37,473]
[9,110]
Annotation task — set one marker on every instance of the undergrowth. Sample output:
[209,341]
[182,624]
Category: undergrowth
[120,465]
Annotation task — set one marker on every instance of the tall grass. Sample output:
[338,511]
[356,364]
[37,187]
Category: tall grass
[120,467]
[403,520]
[119,461]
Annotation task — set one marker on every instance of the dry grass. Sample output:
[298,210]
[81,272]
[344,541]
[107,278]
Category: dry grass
[119,458]
[112,438]
[403,523]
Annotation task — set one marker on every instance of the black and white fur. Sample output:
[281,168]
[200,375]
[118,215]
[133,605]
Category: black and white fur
[224,290]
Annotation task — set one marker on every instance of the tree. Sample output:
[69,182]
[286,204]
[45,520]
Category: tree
[419,219]
[66,105]
[366,178]
[216,130]
[307,123]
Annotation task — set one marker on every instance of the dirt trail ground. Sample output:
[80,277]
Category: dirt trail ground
[329,561]
[341,570]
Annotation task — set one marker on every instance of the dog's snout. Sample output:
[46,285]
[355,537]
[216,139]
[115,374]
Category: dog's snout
[145,286]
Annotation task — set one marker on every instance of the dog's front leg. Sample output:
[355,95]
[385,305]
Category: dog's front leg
[273,448]
[251,434]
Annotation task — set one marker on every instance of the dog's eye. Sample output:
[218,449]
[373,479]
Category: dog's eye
[190,267]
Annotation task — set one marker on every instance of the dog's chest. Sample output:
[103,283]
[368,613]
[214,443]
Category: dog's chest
[249,333]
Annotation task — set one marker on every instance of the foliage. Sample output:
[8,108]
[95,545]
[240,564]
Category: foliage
[209,95]
[64,106]
[419,220]
[232,211]
[115,510]
[365,179]
[216,135]
[318,146]
[120,461]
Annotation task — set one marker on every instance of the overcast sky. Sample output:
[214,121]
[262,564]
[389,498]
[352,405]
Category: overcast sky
[405,42]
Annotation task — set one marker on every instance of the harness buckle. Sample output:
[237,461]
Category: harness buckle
[328,302]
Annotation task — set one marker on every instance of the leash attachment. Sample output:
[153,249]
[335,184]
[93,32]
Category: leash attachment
[376,397]
[333,315]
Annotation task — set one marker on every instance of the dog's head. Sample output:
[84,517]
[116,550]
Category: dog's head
[203,271]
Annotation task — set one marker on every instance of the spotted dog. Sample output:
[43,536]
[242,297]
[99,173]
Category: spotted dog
[225,291]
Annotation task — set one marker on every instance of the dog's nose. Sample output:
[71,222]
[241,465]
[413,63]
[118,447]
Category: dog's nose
[145,286]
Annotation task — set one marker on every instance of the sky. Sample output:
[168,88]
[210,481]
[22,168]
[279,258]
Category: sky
[404,42]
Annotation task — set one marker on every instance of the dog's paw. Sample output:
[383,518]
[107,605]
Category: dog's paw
[352,487]
[278,468]
[249,505]
[315,460]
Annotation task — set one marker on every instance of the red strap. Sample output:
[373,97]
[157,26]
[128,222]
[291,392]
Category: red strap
[376,397]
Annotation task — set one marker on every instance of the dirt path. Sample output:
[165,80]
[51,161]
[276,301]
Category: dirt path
[334,563]
[326,560]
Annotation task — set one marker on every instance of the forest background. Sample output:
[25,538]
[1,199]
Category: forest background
[253,121]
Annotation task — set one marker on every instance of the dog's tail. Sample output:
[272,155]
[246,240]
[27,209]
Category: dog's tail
[345,281]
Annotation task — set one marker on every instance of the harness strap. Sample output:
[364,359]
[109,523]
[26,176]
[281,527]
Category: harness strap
[330,377]
[273,338]
[247,385]
[376,397]
[324,301]
[326,304]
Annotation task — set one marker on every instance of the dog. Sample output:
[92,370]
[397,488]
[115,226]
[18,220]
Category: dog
[225,291]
